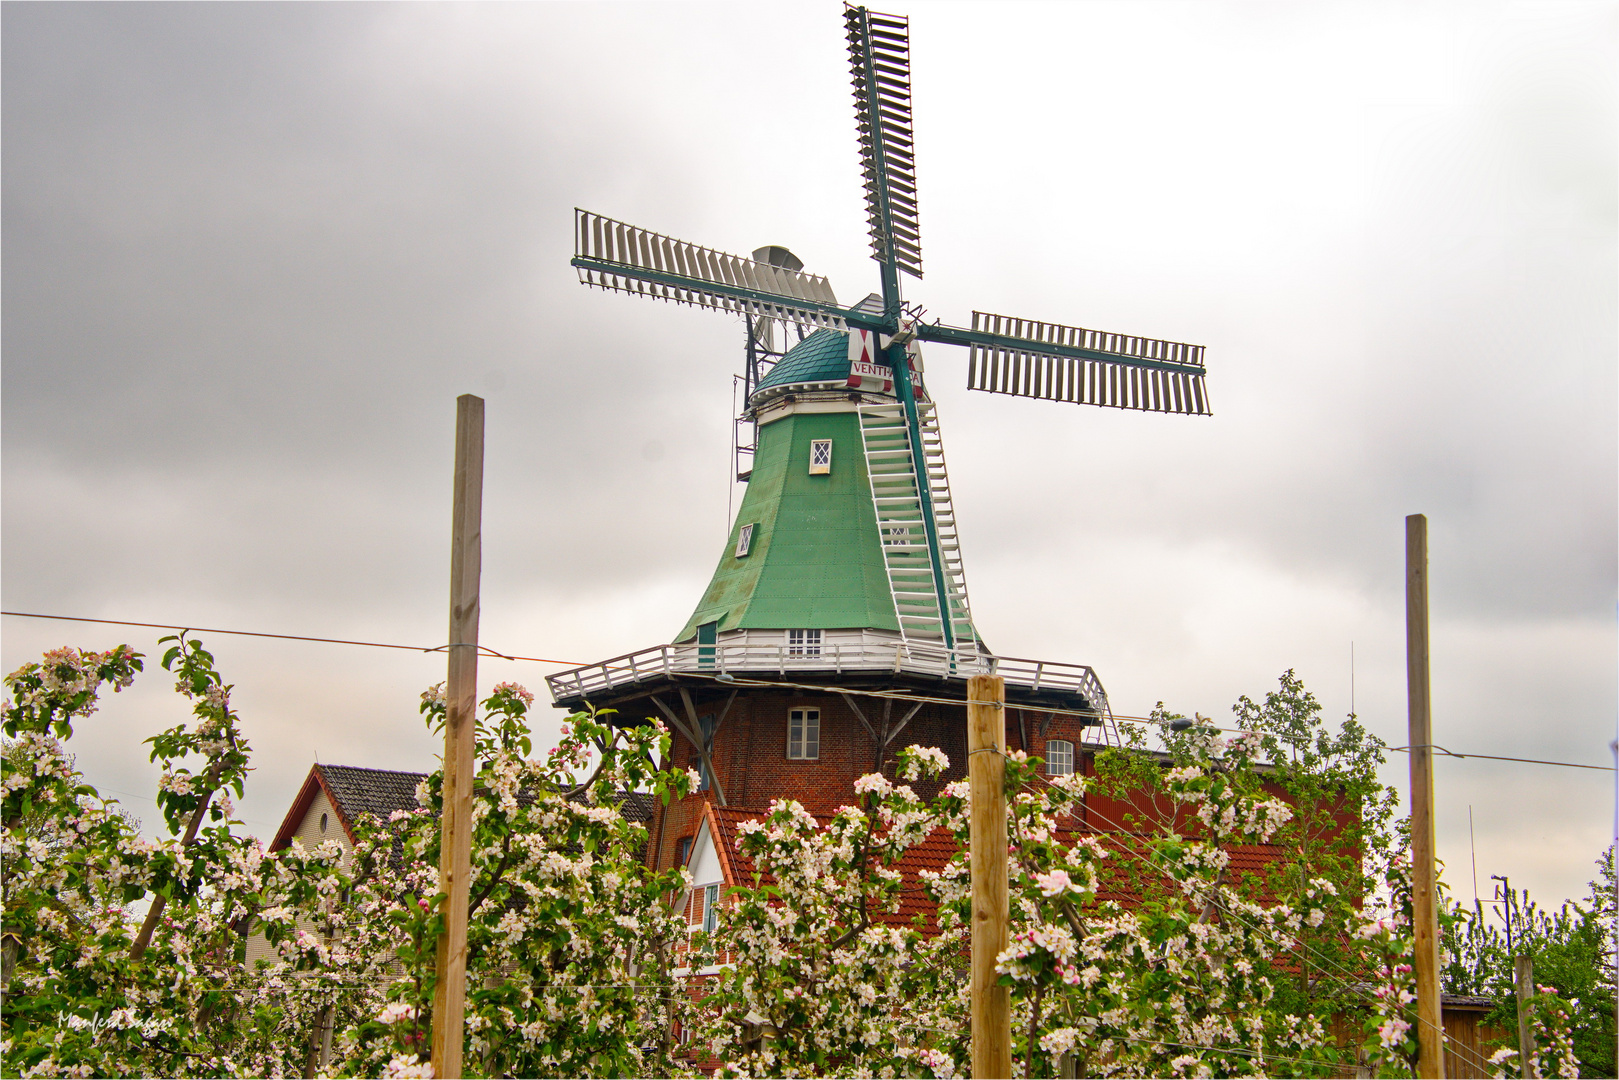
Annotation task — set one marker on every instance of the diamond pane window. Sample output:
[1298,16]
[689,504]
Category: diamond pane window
[1059,757]
[803,643]
[820,456]
[804,734]
[744,540]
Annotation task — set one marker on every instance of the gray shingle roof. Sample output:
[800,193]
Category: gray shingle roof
[381,792]
[638,806]
[370,791]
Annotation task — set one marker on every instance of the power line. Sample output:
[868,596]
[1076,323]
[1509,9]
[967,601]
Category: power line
[484,650]
[901,695]
[1493,757]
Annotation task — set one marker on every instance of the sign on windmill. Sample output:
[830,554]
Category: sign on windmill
[1006,355]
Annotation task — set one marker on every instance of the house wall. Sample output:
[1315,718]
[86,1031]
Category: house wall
[310,835]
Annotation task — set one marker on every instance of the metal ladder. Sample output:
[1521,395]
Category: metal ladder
[887,443]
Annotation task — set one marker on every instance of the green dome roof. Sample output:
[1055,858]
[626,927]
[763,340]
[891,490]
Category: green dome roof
[822,357]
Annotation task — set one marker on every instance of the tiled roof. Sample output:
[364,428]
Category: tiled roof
[360,791]
[638,806]
[357,791]
[822,357]
[935,853]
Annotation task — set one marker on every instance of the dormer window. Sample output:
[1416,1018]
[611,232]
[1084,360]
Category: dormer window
[803,643]
[820,457]
[744,541]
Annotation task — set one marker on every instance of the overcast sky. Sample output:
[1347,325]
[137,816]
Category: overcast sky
[252,253]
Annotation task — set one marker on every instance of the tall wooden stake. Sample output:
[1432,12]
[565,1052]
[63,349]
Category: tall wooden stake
[461,700]
[1424,884]
[1523,978]
[986,771]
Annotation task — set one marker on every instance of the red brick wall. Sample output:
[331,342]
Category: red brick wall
[750,753]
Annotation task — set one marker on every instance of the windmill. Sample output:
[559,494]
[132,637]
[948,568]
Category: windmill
[861,366]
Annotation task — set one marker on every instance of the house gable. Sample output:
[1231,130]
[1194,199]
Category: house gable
[705,864]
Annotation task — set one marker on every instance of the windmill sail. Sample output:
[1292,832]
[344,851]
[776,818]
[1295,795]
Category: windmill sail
[1054,362]
[612,255]
[880,61]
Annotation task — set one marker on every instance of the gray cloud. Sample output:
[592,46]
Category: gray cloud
[252,253]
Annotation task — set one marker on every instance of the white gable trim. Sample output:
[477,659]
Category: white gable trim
[704,860]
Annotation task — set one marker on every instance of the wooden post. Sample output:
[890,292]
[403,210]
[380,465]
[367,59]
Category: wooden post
[1523,977]
[461,700]
[986,770]
[1424,886]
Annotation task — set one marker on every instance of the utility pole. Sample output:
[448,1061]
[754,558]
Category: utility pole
[1424,883]
[986,771]
[461,700]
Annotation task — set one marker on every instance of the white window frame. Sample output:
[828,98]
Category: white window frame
[803,734]
[896,535]
[711,905]
[803,643]
[744,541]
[1059,757]
[820,460]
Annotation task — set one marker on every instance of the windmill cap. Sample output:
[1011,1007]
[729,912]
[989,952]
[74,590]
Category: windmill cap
[819,362]
[776,255]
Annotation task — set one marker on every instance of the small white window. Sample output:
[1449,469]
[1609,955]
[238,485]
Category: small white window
[803,643]
[820,456]
[804,734]
[1059,757]
[711,906]
[744,540]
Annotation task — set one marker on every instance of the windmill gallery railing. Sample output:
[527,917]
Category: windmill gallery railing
[743,658]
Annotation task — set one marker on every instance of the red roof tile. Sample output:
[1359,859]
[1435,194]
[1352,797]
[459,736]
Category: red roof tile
[935,853]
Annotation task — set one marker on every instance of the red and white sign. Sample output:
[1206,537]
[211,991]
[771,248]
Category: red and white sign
[877,378]
[867,371]
[862,347]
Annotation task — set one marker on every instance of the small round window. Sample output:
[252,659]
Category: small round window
[323,823]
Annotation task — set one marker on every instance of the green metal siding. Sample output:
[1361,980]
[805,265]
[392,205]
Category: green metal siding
[816,561]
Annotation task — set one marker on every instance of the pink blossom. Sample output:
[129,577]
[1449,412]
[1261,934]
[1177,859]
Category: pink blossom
[1055,883]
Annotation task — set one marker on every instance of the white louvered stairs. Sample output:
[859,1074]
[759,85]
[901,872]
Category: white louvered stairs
[887,445]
